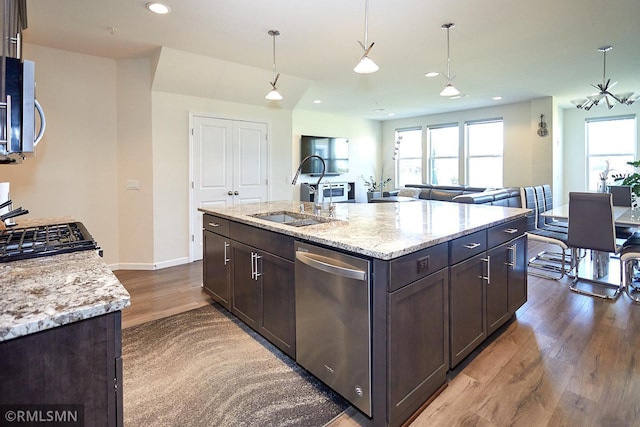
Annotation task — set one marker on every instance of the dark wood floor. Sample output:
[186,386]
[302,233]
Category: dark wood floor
[566,360]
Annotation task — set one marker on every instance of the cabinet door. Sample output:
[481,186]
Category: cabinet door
[497,287]
[278,302]
[216,266]
[245,302]
[518,274]
[418,343]
[467,307]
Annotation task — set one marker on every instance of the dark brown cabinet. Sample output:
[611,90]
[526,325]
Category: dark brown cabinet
[518,274]
[216,265]
[77,364]
[487,288]
[418,339]
[467,307]
[263,290]
[247,292]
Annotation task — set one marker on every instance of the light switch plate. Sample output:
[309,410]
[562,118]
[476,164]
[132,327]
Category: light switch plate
[133,184]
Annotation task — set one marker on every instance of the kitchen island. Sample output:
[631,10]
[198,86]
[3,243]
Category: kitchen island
[60,337]
[443,276]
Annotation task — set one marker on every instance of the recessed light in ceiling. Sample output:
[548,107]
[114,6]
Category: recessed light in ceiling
[317,101]
[431,74]
[158,8]
[497,98]
[391,114]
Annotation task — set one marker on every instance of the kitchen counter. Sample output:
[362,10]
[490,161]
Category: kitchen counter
[43,293]
[380,230]
[429,266]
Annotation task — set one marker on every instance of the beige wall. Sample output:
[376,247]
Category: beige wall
[527,157]
[170,156]
[74,171]
[135,211]
[106,125]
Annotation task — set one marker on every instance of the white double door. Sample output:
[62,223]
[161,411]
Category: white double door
[229,165]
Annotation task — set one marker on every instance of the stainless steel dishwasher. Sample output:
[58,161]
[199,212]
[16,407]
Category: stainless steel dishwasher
[333,321]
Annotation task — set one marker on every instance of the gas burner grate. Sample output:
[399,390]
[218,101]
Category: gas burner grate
[45,240]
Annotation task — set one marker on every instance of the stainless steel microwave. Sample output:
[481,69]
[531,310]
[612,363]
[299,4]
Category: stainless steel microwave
[19,107]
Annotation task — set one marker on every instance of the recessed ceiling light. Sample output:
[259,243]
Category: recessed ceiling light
[391,114]
[158,8]
[497,98]
[317,101]
[432,74]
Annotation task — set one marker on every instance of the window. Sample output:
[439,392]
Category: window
[443,155]
[609,140]
[408,157]
[484,153]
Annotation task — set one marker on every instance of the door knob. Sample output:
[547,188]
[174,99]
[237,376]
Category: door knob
[236,193]
[230,193]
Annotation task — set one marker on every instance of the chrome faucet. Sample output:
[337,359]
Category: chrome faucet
[317,205]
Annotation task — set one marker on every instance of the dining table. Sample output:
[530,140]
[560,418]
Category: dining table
[599,268]
[623,216]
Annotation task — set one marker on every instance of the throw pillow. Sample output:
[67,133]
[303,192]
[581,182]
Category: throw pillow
[410,192]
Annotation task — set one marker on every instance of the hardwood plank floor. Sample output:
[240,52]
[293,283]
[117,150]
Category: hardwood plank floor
[162,293]
[565,360]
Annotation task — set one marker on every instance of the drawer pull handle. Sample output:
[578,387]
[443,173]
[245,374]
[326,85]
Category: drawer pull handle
[226,258]
[514,255]
[214,224]
[488,276]
[471,245]
[511,230]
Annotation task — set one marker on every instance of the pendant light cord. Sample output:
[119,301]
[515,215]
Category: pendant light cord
[273,36]
[366,23]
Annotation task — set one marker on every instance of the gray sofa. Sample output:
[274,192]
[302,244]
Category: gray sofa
[509,196]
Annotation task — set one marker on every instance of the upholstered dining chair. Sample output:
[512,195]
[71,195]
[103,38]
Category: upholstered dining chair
[591,226]
[629,255]
[622,197]
[545,264]
[548,205]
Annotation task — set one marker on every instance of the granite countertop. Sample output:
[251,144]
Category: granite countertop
[379,230]
[42,293]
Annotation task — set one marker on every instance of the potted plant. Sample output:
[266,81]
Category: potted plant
[633,181]
[374,189]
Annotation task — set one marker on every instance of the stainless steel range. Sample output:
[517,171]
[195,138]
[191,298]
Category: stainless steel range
[31,242]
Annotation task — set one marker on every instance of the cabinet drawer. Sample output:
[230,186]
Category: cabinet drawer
[502,233]
[216,224]
[409,268]
[268,241]
[468,246]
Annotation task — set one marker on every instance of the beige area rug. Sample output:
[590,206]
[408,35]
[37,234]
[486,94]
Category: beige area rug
[205,368]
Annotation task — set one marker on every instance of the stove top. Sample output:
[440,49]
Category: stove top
[44,240]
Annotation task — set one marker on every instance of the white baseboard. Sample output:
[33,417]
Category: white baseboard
[146,266]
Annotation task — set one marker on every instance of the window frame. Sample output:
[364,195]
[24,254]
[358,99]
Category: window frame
[430,159]
[467,150]
[589,156]
[398,158]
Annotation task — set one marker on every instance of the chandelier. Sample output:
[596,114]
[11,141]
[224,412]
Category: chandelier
[604,90]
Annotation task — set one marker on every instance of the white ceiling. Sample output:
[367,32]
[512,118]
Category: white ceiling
[515,49]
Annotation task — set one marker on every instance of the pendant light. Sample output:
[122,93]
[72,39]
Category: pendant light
[366,65]
[449,90]
[274,95]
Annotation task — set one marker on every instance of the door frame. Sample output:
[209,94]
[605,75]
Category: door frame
[192,231]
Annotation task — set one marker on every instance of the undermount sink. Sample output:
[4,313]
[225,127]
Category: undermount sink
[294,219]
